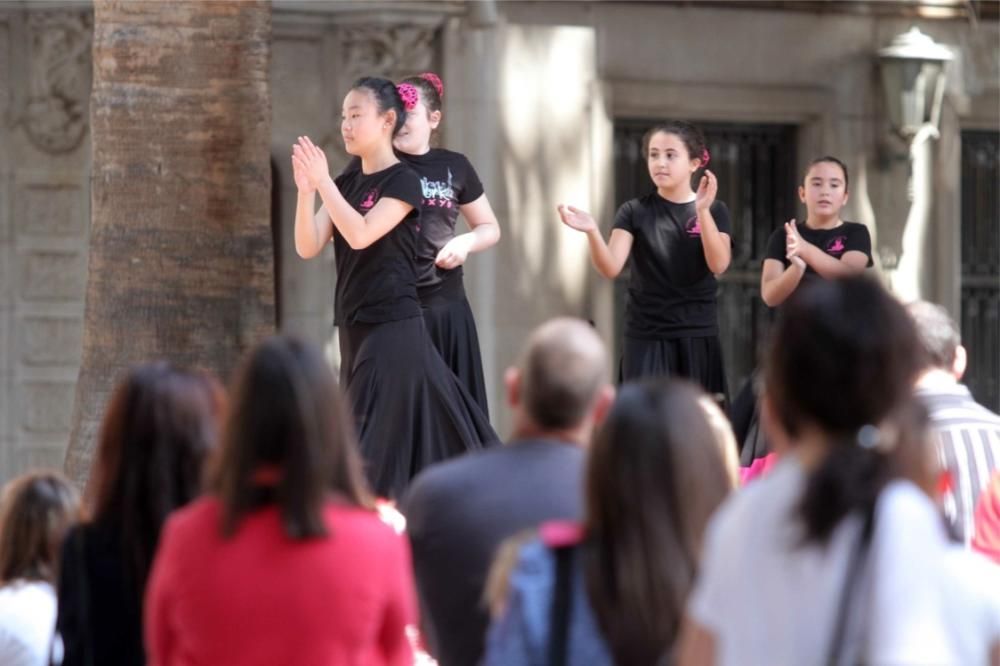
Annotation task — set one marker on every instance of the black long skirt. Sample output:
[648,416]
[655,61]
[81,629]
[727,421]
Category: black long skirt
[696,359]
[410,410]
[452,330]
[744,414]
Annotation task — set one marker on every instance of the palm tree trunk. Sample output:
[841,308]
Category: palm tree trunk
[181,259]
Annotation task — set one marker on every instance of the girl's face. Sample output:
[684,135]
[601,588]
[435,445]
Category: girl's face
[669,164]
[824,191]
[415,137]
[361,125]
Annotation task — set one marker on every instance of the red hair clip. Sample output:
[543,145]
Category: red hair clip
[409,95]
[434,80]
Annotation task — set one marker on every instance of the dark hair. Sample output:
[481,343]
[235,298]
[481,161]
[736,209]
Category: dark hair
[159,426]
[37,510]
[289,441]
[831,160]
[428,93]
[654,477]
[844,355]
[939,335]
[690,136]
[562,371]
[386,98]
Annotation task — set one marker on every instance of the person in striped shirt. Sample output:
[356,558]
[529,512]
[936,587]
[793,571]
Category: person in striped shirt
[968,433]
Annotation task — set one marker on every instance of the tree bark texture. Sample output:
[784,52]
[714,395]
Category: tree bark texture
[181,258]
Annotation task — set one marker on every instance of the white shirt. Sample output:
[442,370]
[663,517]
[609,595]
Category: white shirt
[769,600]
[27,623]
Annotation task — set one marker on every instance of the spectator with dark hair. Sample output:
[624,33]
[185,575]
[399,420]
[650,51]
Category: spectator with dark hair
[158,429]
[286,562]
[459,512]
[968,433]
[847,553]
[35,512]
[612,589]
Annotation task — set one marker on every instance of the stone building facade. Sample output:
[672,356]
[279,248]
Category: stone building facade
[539,95]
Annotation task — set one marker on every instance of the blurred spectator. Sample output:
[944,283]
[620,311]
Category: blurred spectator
[35,513]
[459,512]
[612,590]
[839,555]
[968,433]
[159,426]
[287,561]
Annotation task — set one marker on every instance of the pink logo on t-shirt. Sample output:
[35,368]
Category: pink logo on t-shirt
[692,227]
[836,246]
[369,201]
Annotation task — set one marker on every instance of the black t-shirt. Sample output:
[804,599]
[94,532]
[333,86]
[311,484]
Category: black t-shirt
[379,283]
[671,291]
[447,181]
[834,242]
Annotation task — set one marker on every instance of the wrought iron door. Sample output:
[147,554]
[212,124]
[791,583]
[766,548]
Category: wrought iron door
[755,166]
[981,263]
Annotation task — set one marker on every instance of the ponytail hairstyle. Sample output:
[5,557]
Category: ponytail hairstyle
[690,136]
[842,361]
[830,159]
[387,98]
[430,87]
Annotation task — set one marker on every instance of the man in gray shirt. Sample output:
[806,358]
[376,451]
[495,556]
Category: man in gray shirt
[459,512]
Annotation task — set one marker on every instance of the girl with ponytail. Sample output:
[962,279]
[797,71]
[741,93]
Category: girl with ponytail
[848,555]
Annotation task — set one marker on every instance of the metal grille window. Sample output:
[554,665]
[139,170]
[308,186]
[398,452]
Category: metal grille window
[981,263]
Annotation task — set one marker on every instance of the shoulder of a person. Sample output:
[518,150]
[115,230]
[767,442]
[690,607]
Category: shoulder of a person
[759,500]
[360,521]
[194,515]
[719,205]
[440,481]
[903,503]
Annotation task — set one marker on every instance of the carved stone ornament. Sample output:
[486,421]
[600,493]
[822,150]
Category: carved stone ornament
[53,73]
[392,51]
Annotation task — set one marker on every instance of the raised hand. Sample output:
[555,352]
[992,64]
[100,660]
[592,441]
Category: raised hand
[301,178]
[707,189]
[312,160]
[454,253]
[794,244]
[575,218]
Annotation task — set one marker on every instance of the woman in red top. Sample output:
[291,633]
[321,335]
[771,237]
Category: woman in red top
[286,562]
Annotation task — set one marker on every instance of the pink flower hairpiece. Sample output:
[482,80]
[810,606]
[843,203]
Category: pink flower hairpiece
[434,80]
[705,157]
[409,94]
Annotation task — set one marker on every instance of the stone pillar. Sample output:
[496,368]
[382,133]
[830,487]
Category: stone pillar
[44,175]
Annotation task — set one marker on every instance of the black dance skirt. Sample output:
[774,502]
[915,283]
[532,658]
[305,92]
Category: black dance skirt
[744,415]
[410,410]
[452,330]
[696,359]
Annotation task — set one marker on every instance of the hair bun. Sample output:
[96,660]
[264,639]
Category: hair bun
[434,80]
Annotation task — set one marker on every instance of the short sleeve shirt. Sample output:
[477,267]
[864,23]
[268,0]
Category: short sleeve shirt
[847,237]
[447,181]
[671,291]
[378,283]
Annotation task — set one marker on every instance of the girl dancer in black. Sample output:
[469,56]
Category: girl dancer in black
[678,242]
[409,407]
[449,185]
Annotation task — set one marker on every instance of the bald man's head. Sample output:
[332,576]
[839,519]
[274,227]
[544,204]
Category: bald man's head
[562,370]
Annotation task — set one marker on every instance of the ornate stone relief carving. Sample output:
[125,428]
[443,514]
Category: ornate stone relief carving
[52,70]
[392,51]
